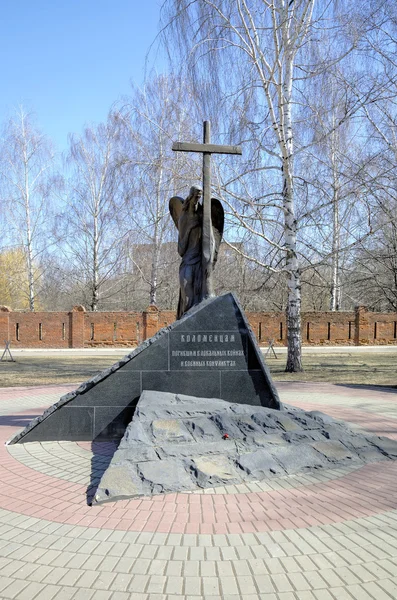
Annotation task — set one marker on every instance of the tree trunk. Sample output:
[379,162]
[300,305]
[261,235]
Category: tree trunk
[30,274]
[294,356]
[154,268]
[29,248]
[95,273]
[335,281]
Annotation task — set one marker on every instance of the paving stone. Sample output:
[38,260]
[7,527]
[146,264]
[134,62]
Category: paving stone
[84,594]
[174,585]
[246,584]
[174,568]
[192,585]
[14,589]
[156,584]
[64,593]
[210,586]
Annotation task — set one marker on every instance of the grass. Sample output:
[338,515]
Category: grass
[45,370]
[366,367]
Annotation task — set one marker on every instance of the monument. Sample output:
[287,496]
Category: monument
[194,406]
[210,351]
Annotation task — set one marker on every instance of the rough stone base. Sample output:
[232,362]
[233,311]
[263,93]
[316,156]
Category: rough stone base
[176,443]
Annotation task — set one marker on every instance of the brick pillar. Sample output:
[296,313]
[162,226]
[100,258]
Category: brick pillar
[4,325]
[361,326]
[150,321]
[76,327]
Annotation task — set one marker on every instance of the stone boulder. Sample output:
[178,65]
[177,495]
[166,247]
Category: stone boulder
[183,443]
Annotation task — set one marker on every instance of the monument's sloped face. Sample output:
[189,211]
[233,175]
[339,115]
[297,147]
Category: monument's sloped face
[211,352]
[179,443]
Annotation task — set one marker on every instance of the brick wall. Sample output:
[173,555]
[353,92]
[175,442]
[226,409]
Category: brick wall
[113,329]
[78,328]
[380,329]
[39,330]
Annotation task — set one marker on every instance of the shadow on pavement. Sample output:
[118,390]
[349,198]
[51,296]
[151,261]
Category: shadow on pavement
[17,420]
[102,455]
[356,386]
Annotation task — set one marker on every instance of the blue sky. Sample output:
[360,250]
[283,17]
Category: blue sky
[69,60]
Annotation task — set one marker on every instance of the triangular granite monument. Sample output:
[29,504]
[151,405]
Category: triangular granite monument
[210,352]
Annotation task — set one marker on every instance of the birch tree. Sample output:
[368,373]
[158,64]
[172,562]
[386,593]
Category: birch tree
[151,120]
[92,225]
[262,40]
[27,186]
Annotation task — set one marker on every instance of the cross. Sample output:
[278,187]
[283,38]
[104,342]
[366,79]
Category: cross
[206,148]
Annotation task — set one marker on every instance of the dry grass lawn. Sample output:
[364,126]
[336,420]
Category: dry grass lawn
[366,367]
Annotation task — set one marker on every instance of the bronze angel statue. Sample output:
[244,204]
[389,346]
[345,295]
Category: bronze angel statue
[195,273]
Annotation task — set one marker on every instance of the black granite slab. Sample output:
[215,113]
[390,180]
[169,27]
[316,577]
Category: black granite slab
[110,422]
[211,352]
[66,423]
[207,383]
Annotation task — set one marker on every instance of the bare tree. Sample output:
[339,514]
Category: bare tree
[92,225]
[262,40]
[27,185]
[150,121]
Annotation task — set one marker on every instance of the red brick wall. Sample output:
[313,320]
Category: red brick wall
[78,328]
[269,326]
[113,328]
[328,328]
[381,328]
[40,330]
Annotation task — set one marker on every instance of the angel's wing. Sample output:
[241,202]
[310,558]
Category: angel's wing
[175,205]
[218,220]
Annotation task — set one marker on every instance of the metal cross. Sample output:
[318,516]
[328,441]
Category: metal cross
[206,148]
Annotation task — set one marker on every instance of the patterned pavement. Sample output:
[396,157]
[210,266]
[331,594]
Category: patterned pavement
[330,535]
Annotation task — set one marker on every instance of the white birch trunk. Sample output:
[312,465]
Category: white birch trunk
[154,267]
[29,249]
[95,268]
[294,355]
[29,246]
[335,275]
[156,236]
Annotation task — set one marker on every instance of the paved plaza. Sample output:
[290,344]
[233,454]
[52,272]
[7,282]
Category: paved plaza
[331,535]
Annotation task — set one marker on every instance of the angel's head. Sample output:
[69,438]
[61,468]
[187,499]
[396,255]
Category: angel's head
[194,195]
